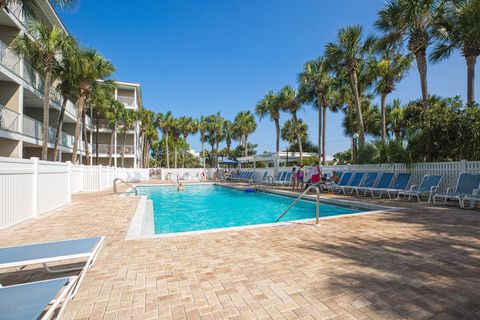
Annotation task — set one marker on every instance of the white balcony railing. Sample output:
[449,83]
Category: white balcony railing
[33,78]
[106,149]
[9,119]
[9,59]
[15,8]
[126,100]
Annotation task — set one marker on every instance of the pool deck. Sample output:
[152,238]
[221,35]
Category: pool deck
[419,263]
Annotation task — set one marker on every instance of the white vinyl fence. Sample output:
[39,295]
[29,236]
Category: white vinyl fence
[30,187]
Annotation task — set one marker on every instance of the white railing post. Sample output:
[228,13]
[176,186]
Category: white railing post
[35,187]
[463,166]
[69,181]
[99,176]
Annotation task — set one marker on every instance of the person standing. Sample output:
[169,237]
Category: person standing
[301,177]
[294,178]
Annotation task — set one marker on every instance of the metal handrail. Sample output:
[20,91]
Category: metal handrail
[124,182]
[317,208]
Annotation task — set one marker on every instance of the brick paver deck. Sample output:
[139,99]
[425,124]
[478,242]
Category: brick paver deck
[421,263]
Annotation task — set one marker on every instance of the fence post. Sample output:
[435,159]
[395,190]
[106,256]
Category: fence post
[69,181]
[99,176]
[463,166]
[35,187]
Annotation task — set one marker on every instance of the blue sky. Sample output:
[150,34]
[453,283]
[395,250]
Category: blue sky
[199,57]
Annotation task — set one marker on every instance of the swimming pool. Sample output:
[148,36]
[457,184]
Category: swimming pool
[205,207]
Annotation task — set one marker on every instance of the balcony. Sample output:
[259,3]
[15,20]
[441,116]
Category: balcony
[106,149]
[127,101]
[9,59]
[9,119]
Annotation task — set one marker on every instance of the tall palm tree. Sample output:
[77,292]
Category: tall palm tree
[317,86]
[389,68]
[289,102]
[148,133]
[228,134]
[347,55]
[413,22]
[67,87]
[101,101]
[114,114]
[245,124]
[175,131]
[202,127]
[187,126]
[92,67]
[44,52]
[270,107]
[214,125]
[165,122]
[395,119]
[459,29]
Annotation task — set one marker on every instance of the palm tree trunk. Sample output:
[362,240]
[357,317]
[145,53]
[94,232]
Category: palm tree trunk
[203,150]
[324,134]
[299,141]
[81,102]
[320,125]
[212,156]
[421,59]
[58,135]
[277,133]
[383,134]
[358,107]
[471,61]
[166,149]
[110,149]
[85,140]
[123,146]
[96,137]
[175,153]
[246,145]
[46,114]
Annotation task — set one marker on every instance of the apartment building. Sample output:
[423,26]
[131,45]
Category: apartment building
[119,146]
[21,102]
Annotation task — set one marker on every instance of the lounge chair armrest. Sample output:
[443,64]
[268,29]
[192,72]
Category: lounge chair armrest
[433,189]
[450,190]
[476,192]
[413,187]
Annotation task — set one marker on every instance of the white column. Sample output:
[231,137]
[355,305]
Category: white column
[35,187]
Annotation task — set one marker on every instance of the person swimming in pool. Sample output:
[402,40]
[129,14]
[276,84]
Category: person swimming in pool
[180,187]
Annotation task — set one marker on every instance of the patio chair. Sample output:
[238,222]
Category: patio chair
[251,178]
[240,176]
[36,300]
[53,252]
[466,184]
[247,177]
[344,180]
[401,184]
[366,184]
[280,178]
[383,184]
[287,180]
[470,199]
[427,187]
[131,178]
[355,182]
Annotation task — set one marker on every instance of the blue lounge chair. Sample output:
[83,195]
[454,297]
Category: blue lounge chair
[383,184]
[287,180]
[280,178]
[344,180]
[35,300]
[427,187]
[355,182]
[470,199]
[366,184]
[466,184]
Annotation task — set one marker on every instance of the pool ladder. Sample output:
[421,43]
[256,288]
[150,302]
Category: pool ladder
[317,206]
[125,183]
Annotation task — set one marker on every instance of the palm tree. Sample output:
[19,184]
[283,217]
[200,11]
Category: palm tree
[395,119]
[165,122]
[413,22]
[269,106]
[44,52]
[244,124]
[317,86]
[187,126]
[202,127]
[288,101]
[92,67]
[148,133]
[101,100]
[128,120]
[389,69]
[459,29]
[214,125]
[67,87]
[347,55]
[291,131]
[228,134]
[175,130]
[114,114]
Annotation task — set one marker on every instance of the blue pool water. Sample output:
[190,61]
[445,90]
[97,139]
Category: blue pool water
[203,207]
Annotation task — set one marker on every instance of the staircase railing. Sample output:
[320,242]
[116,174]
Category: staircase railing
[317,207]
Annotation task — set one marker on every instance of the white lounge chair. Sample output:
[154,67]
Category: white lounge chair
[466,184]
[51,252]
[36,300]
